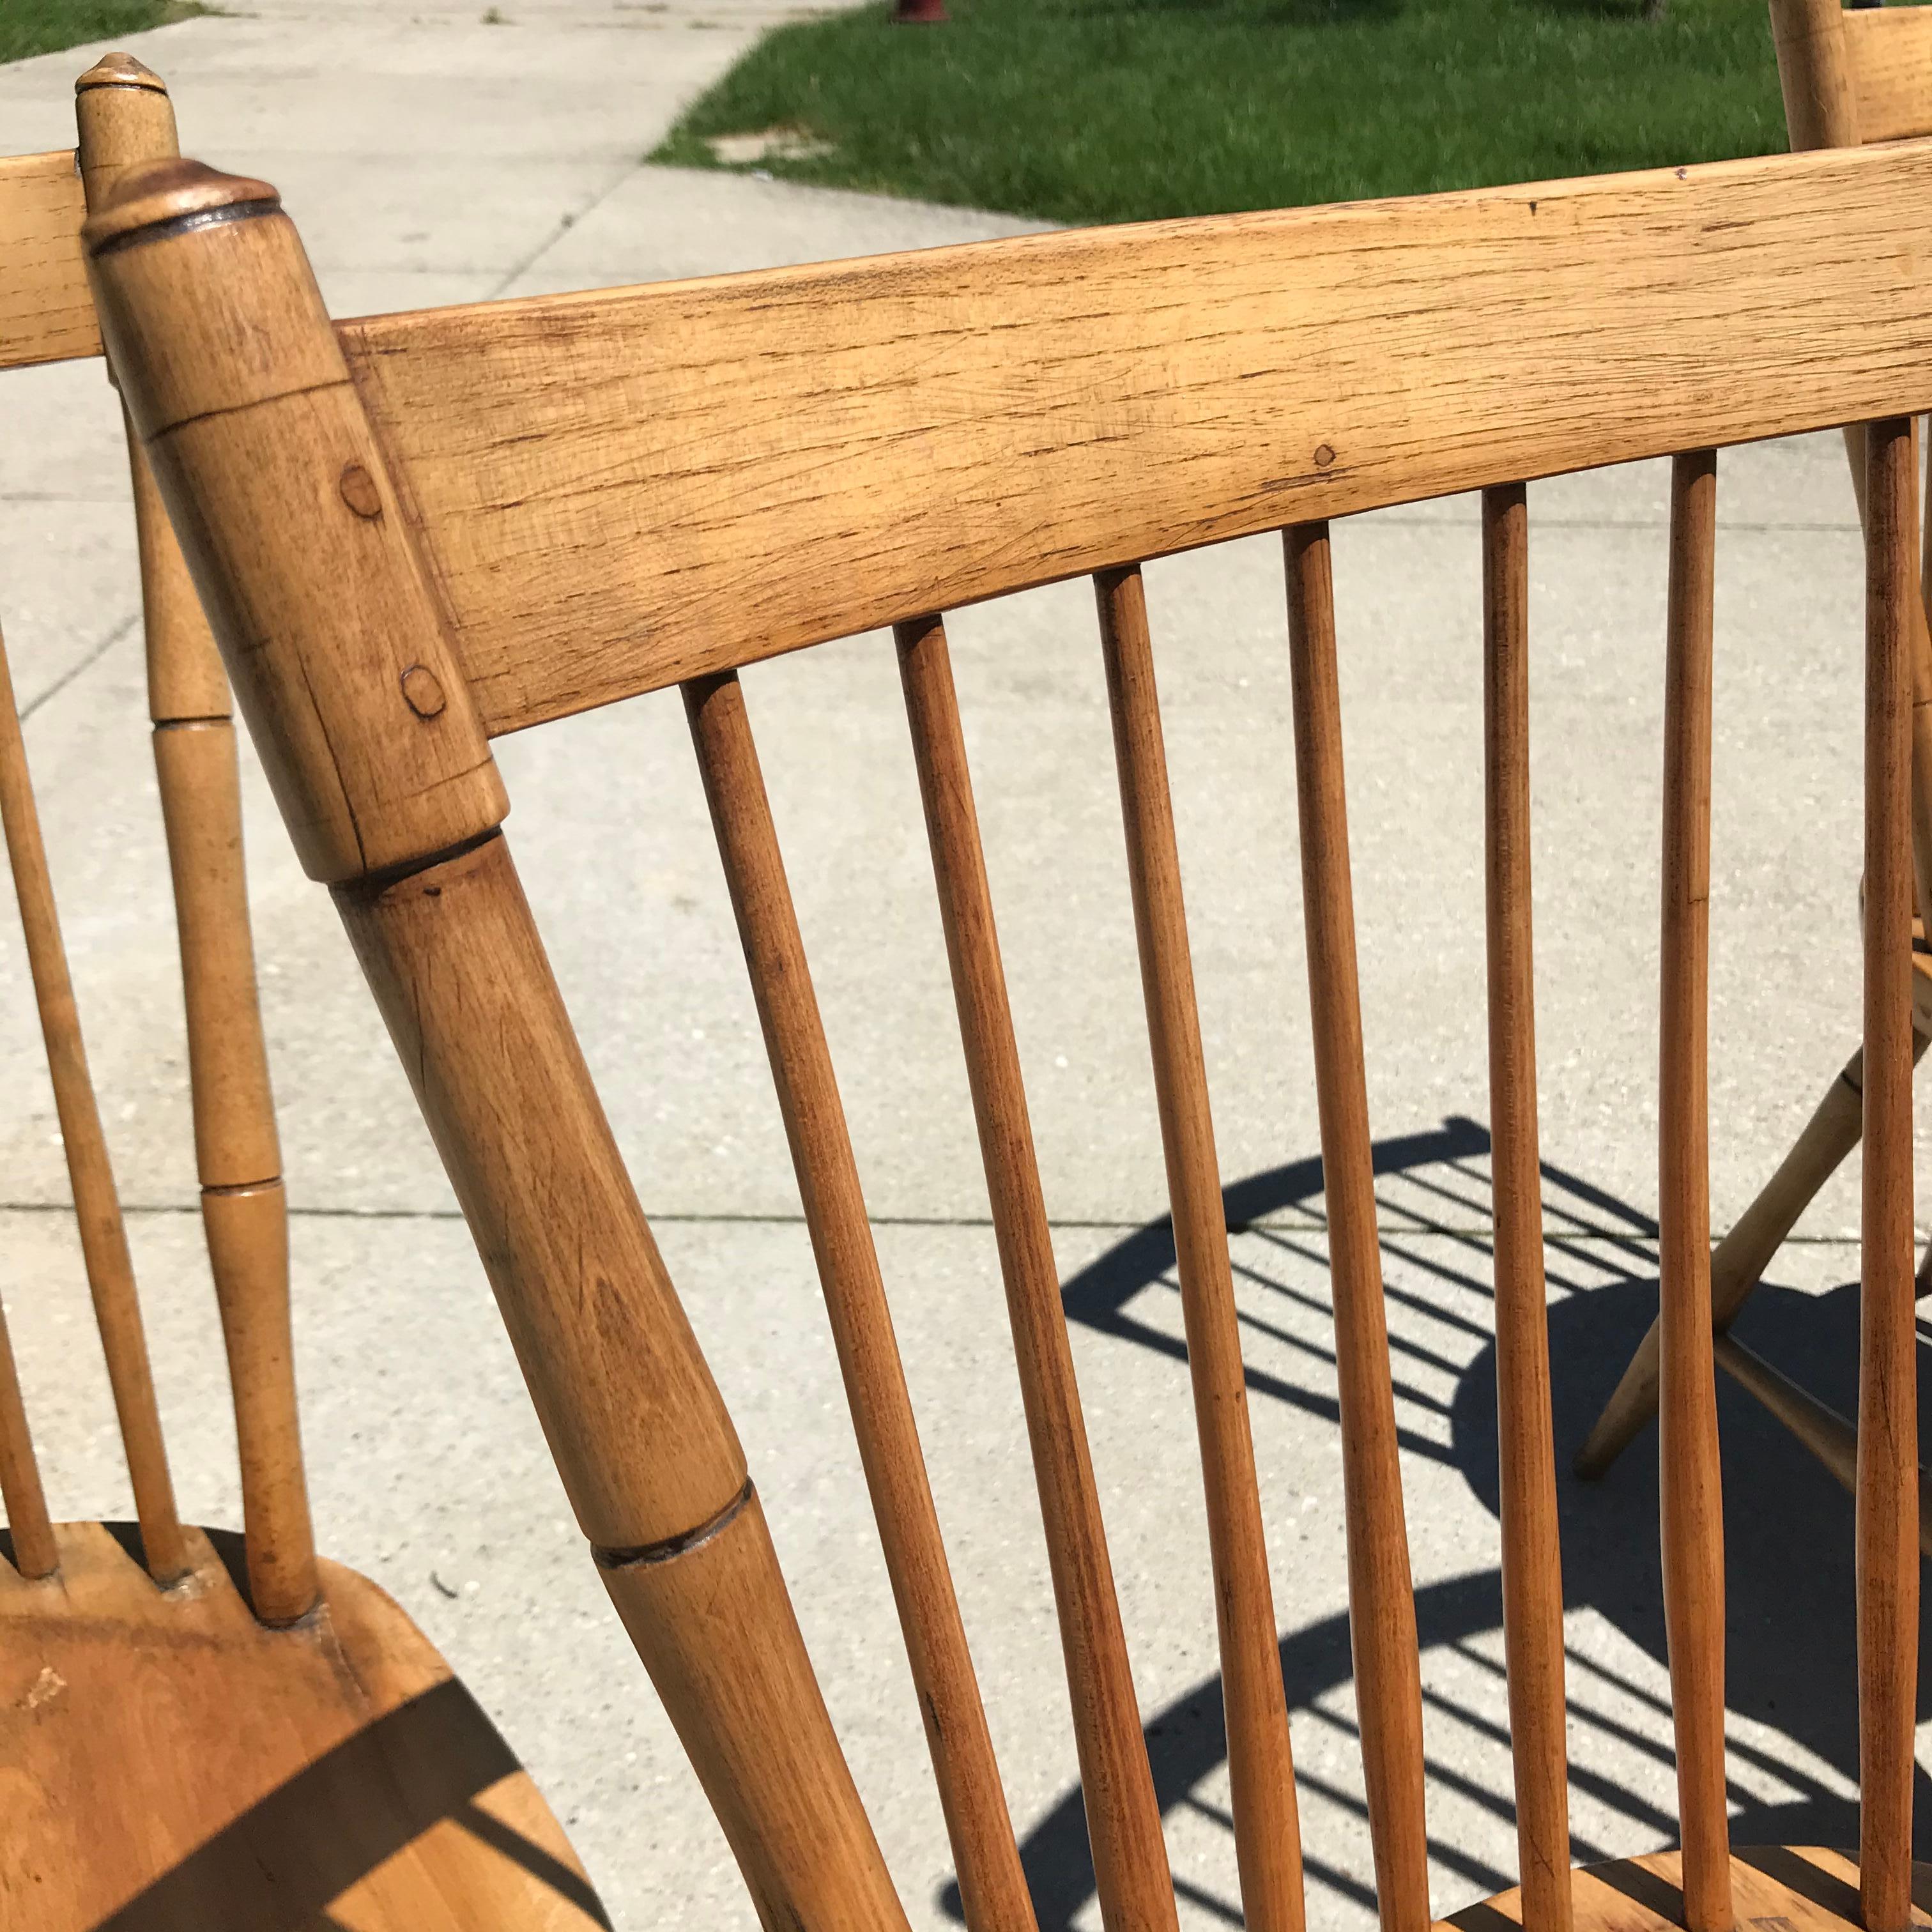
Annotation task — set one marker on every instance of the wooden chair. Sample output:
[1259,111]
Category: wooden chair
[418,532]
[199,1730]
[1849,76]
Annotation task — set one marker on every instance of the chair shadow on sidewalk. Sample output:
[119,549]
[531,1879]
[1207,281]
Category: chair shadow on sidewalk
[1791,1690]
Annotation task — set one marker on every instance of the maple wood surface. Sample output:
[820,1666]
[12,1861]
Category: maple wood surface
[169,1764]
[612,489]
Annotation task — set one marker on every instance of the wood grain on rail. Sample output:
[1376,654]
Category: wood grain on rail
[46,313]
[616,491]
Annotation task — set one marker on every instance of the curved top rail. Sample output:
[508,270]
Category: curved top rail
[616,490]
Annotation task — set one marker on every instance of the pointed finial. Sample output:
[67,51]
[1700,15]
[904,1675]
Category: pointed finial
[120,70]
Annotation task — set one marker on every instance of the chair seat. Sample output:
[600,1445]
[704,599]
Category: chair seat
[167,1762]
[1775,1887]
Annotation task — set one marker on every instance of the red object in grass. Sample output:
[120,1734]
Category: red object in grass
[920,13]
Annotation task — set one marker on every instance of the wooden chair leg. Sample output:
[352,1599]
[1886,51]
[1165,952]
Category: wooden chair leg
[1738,1262]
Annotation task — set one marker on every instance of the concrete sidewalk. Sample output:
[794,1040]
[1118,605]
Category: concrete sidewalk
[435,159]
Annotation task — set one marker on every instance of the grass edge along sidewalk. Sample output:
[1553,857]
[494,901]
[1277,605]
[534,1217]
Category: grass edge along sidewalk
[1121,110]
[29,27]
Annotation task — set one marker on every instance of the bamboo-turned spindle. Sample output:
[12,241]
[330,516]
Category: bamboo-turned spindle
[35,1553]
[1261,1766]
[1381,1599]
[97,1206]
[1690,1482]
[1130,1867]
[1532,1559]
[338,648]
[124,118]
[992,1886]
[1887,1537]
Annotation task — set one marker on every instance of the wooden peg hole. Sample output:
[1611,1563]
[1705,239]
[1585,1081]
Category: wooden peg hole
[424,692]
[359,491]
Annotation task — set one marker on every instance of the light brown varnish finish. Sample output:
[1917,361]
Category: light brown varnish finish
[97,1206]
[1532,1558]
[21,1493]
[46,314]
[637,520]
[1853,75]
[992,1887]
[1261,1766]
[1130,1867]
[716,1628]
[641,1437]
[1690,1474]
[277,416]
[169,1764]
[648,1455]
[1887,1557]
[1382,1599]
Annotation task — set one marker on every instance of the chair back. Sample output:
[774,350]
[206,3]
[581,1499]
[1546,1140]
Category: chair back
[417,532]
[1852,75]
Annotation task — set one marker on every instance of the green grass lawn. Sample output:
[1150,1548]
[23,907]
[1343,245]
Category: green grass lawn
[1115,110]
[45,26]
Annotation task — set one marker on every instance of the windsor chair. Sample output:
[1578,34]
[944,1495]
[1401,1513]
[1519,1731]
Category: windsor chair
[415,533]
[1848,77]
[199,1730]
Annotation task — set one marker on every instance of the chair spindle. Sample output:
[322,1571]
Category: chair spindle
[1888,1473]
[992,1886]
[1532,1559]
[1381,1600]
[103,1237]
[125,117]
[35,1553]
[1691,1488]
[1260,1766]
[238,1152]
[1130,1866]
